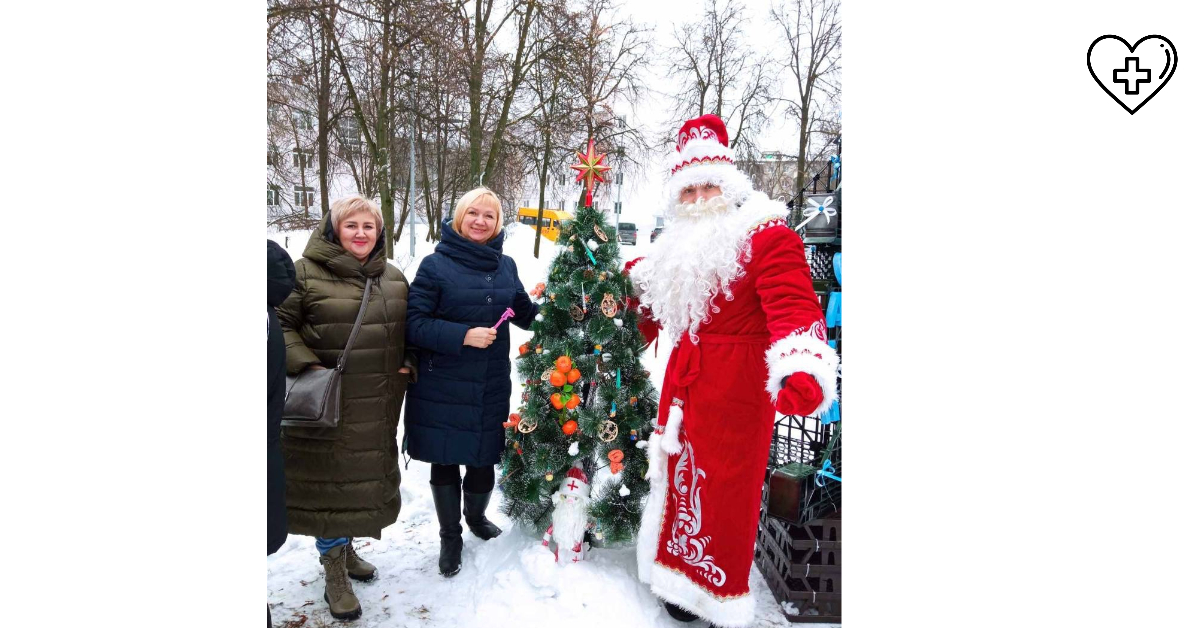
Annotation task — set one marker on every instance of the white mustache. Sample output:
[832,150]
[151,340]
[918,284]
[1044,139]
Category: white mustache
[714,205]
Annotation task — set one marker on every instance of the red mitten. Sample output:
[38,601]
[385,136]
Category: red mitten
[800,395]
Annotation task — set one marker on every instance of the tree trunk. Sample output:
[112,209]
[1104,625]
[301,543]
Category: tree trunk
[382,132]
[518,74]
[544,170]
[475,97]
[802,153]
[323,121]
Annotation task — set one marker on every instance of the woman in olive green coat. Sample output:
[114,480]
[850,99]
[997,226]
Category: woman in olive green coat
[344,481]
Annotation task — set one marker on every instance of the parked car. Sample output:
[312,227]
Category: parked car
[627,232]
[654,234]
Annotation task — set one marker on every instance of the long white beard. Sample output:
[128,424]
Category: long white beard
[570,519]
[700,255]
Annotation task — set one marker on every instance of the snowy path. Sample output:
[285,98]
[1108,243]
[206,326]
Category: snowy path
[511,581]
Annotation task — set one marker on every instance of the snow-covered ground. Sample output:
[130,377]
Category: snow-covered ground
[510,581]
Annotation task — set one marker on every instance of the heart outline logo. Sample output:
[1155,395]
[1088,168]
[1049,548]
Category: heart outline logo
[1165,77]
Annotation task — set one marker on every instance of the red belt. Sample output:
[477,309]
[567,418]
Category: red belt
[687,361]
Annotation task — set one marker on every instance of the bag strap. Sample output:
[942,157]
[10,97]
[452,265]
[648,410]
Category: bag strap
[362,309]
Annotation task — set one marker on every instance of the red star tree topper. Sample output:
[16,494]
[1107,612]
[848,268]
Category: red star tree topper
[591,168]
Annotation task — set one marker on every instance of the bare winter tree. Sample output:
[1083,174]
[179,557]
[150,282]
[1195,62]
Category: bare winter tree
[477,40]
[548,128]
[718,72]
[607,71]
[812,30]
[368,40]
[291,100]
[441,97]
[363,92]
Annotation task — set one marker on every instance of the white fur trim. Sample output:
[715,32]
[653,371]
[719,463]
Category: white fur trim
[698,154]
[797,353]
[656,461]
[735,185]
[680,591]
[670,439]
[699,149]
[666,584]
[756,209]
[647,541]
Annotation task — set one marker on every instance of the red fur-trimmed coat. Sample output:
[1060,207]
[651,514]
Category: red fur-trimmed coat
[696,544]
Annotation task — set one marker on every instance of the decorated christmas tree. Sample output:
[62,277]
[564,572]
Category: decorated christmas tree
[578,439]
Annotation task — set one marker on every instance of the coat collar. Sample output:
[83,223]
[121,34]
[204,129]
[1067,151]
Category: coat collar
[484,257]
[323,247]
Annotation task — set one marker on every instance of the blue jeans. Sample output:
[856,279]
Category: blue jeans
[324,544]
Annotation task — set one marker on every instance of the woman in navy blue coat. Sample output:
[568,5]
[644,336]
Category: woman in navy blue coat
[455,410]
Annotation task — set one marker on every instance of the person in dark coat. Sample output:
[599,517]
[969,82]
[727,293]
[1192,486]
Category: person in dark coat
[455,410]
[344,481]
[281,276]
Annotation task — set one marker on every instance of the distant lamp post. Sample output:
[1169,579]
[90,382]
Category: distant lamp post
[620,181]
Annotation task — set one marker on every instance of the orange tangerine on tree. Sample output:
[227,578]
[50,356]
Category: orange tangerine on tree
[563,363]
[523,349]
[573,376]
[557,379]
[569,427]
[573,402]
[556,401]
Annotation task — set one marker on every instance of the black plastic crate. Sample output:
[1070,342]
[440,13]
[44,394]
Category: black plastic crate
[820,263]
[802,564]
[799,448]
[798,439]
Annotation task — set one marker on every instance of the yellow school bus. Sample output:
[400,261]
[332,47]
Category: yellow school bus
[551,220]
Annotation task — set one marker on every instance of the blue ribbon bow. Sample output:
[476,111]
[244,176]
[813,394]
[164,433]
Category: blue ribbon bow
[826,470]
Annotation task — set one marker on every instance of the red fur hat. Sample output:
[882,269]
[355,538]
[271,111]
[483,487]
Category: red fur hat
[702,155]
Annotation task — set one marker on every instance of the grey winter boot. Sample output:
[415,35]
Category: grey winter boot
[474,504]
[338,593]
[356,567]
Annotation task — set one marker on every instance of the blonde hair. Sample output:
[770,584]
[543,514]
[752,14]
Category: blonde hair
[470,198]
[344,208]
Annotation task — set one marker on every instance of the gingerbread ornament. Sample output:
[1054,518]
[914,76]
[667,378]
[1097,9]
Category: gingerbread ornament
[608,306]
[608,432]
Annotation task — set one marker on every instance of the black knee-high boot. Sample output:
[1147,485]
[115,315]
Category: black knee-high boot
[447,503]
[474,504]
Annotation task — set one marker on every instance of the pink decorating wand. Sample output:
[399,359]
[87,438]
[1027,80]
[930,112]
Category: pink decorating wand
[508,313]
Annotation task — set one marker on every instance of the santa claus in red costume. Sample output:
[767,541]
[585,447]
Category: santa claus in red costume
[729,287]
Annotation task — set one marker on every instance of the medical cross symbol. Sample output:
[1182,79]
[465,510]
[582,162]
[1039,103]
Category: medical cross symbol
[1136,71]
[572,485]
